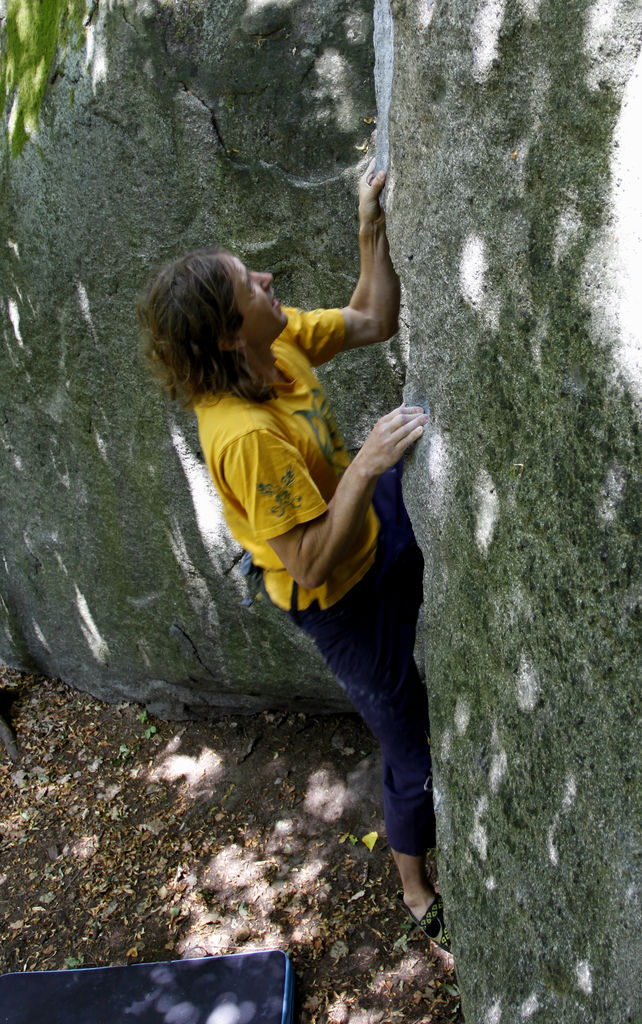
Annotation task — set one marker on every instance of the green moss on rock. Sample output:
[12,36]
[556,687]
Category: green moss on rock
[34,29]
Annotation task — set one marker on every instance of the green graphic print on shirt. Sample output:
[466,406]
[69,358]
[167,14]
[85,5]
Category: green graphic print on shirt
[323,424]
[282,494]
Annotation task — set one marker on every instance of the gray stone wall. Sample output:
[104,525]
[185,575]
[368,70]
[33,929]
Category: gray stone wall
[515,221]
[164,126]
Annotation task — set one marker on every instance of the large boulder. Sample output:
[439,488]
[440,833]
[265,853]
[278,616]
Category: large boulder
[516,225]
[133,132]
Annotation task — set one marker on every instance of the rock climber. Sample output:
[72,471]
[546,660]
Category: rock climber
[330,535]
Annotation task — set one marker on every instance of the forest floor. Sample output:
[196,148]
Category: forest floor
[125,839]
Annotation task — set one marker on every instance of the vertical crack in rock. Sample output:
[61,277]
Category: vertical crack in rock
[215,127]
[92,13]
[189,647]
[384,39]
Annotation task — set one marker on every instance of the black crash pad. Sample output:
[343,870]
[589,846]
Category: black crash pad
[245,988]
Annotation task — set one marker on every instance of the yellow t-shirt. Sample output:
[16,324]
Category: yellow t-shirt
[277,464]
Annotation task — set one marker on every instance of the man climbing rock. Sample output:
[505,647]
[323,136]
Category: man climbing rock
[330,535]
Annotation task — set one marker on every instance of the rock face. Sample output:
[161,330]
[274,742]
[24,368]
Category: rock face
[515,222]
[161,127]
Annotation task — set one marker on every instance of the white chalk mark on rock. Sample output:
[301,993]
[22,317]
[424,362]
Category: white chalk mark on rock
[479,836]
[613,267]
[493,1014]
[568,226]
[207,505]
[570,792]
[530,8]
[95,54]
[473,267]
[583,976]
[627,199]
[462,715]
[37,630]
[487,510]
[612,492]
[425,11]
[486,26]
[529,1007]
[94,640]
[197,589]
[101,446]
[498,769]
[527,685]
[472,270]
[438,464]
[611,36]
[332,73]
[446,745]
[14,317]
[83,301]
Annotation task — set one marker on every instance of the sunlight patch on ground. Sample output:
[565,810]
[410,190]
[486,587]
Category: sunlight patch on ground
[233,866]
[325,799]
[309,873]
[385,979]
[206,768]
[85,847]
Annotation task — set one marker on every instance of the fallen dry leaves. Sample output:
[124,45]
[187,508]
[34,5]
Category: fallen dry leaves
[124,839]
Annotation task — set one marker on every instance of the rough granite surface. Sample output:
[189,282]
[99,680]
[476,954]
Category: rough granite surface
[161,127]
[515,221]
[516,225]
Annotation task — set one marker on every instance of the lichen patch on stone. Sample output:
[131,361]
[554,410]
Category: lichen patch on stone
[33,33]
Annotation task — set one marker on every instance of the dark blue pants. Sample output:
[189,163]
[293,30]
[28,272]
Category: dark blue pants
[367,640]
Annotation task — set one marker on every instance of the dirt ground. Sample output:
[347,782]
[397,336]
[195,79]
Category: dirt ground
[125,839]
